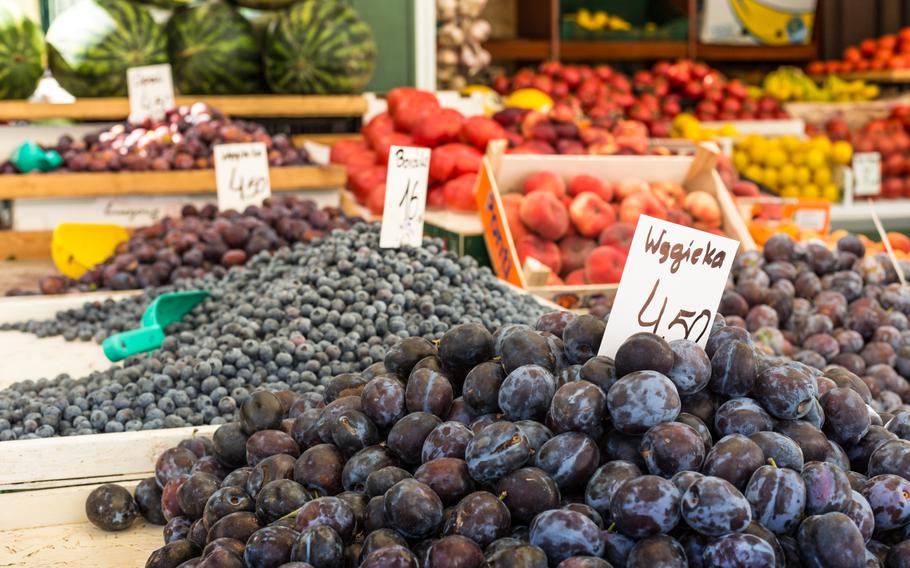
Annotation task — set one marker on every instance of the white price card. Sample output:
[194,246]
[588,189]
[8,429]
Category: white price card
[810,219]
[405,197]
[241,175]
[867,174]
[151,91]
[671,285]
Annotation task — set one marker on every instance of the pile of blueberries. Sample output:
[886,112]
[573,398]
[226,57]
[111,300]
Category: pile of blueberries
[285,321]
[524,448]
[827,307]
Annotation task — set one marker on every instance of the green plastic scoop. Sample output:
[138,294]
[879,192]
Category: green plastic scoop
[30,157]
[163,311]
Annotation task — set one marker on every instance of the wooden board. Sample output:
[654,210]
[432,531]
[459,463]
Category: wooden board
[24,245]
[40,185]
[327,139]
[247,106]
[79,545]
[884,76]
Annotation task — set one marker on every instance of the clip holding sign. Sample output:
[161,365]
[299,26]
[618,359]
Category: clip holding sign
[672,284]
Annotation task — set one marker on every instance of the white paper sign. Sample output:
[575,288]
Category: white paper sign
[151,91]
[241,175]
[810,219]
[405,197]
[671,285]
[867,173]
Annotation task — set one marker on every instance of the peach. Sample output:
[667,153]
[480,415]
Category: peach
[604,265]
[385,142]
[679,217]
[379,125]
[575,251]
[627,187]
[544,251]
[452,160]
[590,214]
[459,193]
[398,94]
[638,204]
[359,160]
[570,147]
[670,194]
[582,183]
[365,180]
[703,207]
[899,241]
[511,203]
[344,149]
[544,213]
[376,199]
[744,188]
[544,181]
[412,110]
[618,235]
[479,130]
[576,278]
[443,128]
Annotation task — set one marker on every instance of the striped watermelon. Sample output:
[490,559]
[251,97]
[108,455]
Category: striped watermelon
[213,51]
[21,53]
[93,43]
[264,4]
[319,47]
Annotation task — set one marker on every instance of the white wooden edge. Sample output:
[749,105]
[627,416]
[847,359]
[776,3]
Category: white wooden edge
[20,308]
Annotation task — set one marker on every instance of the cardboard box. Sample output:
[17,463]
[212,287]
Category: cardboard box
[758,22]
[503,174]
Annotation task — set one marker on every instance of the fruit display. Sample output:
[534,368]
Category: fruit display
[288,320]
[93,42]
[523,448]
[213,50]
[200,240]
[890,137]
[888,52]
[460,55]
[182,140]
[598,20]
[581,228]
[652,97]
[319,47]
[22,53]
[793,167]
[792,84]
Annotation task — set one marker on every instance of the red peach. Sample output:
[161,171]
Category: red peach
[397,95]
[570,147]
[544,213]
[384,143]
[583,182]
[627,187]
[618,235]
[575,251]
[413,110]
[364,181]
[452,160]
[511,203]
[703,207]
[544,251]
[670,194]
[344,149]
[544,181]
[638,204]
[590,214]
[376,199]
[576,278]
[379,125]
[360,160]
[443,128]
[479,130]
[604,265]
[744,188]
[679,217]
[459,193]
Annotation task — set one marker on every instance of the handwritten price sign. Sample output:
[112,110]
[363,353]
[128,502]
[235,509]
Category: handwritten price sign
[672,284]
[241,175]
[151,91]
[867,174]
[405,197]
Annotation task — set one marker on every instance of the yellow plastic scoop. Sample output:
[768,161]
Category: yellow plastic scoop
[77,247]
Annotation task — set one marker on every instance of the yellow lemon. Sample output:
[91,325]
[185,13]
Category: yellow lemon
[691,131]
[822,176]
[532,99]
[815,158]
[776,158]
[822,144]
[740,160]
[830,192]
[789,143]
[811,191]
[842,152]
[798,158]
[802,176]
[771,177]
[759,151]
[728,130]
[789,191]
[755,173]
[787,173]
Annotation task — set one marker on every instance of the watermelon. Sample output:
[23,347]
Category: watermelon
[21,53]
[213,51]
[319,47]
[169,4]
[93,43]
[264,4]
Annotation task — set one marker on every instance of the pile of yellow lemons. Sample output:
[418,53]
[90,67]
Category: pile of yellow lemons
[791,166]
[685,125]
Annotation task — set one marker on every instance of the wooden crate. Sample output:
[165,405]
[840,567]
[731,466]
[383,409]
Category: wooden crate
[50,185]
[43,487]
[118,108]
